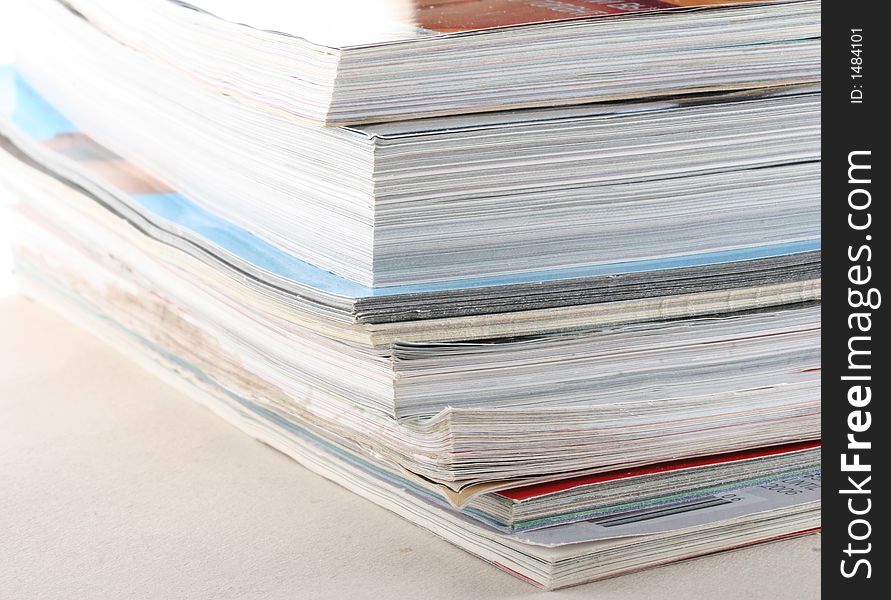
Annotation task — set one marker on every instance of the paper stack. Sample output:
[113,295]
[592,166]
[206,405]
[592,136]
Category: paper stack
[576,339]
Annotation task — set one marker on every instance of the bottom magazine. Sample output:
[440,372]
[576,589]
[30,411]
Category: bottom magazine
[549,557]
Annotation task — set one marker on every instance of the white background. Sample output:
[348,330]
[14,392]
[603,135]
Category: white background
[7,284]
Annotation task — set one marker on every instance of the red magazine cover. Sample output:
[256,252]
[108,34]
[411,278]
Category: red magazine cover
[450,16]
[552,487]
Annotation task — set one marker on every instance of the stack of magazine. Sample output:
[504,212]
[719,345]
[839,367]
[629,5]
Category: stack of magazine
[541,277]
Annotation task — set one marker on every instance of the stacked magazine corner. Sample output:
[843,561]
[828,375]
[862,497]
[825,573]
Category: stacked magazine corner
[540,277]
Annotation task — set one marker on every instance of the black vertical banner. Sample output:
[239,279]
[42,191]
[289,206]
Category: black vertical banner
[856,366]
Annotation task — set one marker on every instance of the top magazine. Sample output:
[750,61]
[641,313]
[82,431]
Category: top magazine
[362,61]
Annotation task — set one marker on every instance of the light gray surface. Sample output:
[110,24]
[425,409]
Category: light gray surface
[112,485]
